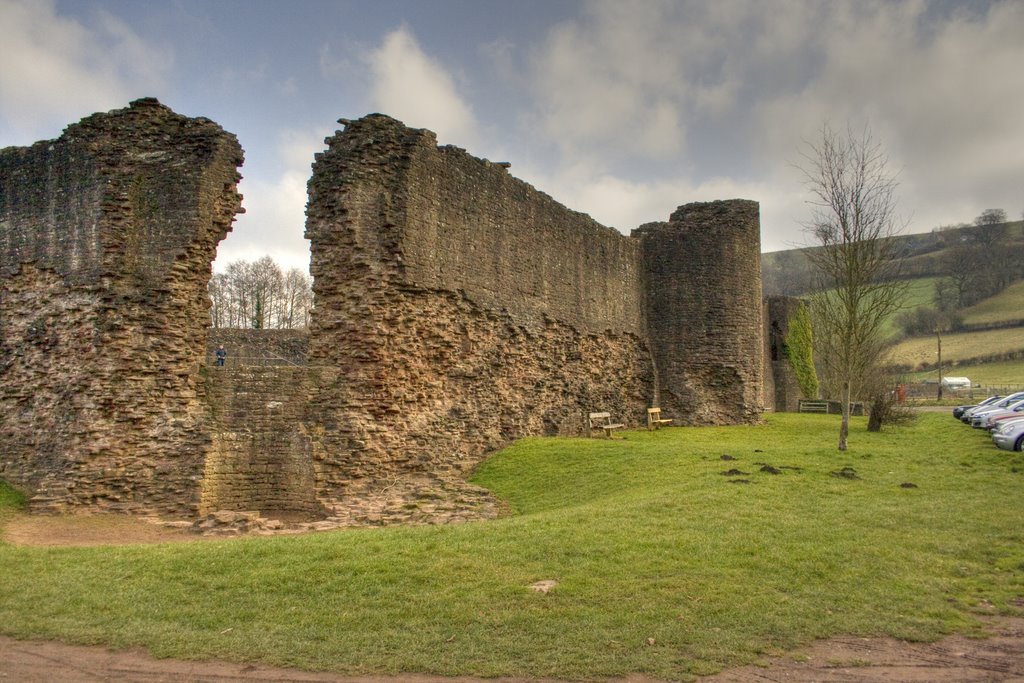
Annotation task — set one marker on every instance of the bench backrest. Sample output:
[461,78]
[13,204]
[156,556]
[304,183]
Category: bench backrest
[594,417]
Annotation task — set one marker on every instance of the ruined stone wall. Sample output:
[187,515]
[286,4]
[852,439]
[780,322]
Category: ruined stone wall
[106,240]
[785,389]
[457,308]
[261,458]
[460,307]
[259,347]
[704,311]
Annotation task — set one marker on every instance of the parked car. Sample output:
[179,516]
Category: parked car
[997,420]
[969,414]
[980,419]
[1010,436]
[959,410]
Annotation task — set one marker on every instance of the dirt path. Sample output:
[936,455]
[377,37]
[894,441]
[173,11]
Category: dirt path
[840,660]
[955,659]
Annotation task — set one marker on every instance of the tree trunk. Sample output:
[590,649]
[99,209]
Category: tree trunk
[878,406]
[844,425]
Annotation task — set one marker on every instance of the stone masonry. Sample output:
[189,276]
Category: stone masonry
[703,293]
[457,308]
[462,308]
[782,390]
[106,239]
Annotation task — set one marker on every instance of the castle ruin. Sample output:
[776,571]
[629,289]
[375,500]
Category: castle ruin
[456,308]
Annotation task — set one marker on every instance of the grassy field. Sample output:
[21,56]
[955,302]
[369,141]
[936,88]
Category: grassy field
[646,537]
[920,292]
[1004,373]
[957,346]
[1007,305]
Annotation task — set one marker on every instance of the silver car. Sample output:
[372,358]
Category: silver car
[984,418]
[971,416]
[1010,436]
[989,403]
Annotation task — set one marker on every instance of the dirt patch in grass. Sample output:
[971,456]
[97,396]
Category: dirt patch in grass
[82,530]
[955,659]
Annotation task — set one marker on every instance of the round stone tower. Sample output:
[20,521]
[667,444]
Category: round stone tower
[703,270]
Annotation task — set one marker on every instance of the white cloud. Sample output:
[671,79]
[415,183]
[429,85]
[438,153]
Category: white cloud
[627,204]
[274,221]
[943,95]
[56,70]
[666,90]
[411,86]
[632,80]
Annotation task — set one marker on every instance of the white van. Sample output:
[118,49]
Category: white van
[956,383]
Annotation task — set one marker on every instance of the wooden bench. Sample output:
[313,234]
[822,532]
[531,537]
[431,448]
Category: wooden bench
[813,406]
[604,421]
[830,407]
[654,420]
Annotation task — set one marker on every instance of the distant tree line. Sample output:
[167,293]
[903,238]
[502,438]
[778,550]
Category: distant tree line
[984,262]
[259,295]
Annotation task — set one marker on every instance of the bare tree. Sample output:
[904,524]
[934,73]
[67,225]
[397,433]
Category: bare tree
[265,284]
[296,300]
[258,295]
[854,222]
[220,300]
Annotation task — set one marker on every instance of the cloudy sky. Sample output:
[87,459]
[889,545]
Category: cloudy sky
[620,109]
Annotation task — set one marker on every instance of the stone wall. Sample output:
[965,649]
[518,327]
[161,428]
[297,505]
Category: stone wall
[457,309]
[261,458]
[784,388]
[259,347]
[106,238]
[462,308]
[704,311]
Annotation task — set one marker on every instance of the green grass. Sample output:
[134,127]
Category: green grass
[11,501]
[920,292]
[645,536]
[1003,373]
[963,346]
[957,346]
[1007,305]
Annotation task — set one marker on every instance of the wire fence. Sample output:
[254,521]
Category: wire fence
[930,390]
[259,361]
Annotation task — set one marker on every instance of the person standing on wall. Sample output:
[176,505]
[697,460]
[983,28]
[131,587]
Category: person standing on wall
[222,355]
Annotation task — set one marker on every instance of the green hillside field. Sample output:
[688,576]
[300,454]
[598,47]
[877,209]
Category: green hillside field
[1007,305]
[1009,373]
[957,347]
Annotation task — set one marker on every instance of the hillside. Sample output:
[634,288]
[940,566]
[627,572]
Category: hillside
[788,272]
[992,353]
[1008,305]
[990,348]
